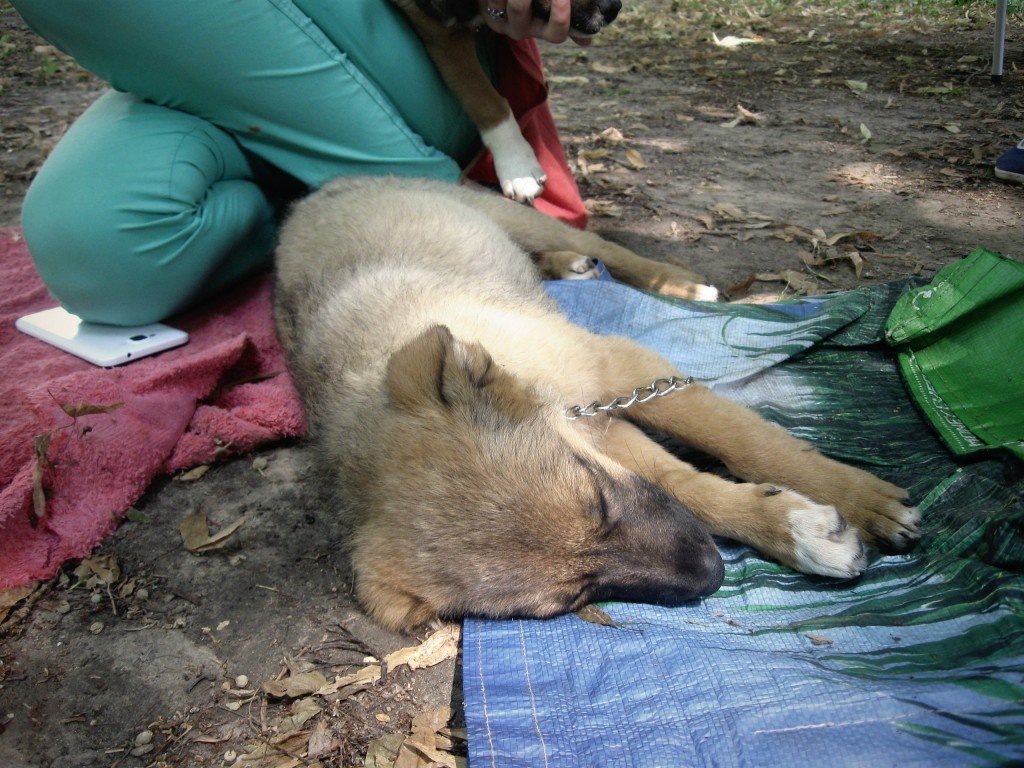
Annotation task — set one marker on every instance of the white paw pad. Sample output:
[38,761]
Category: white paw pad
[583,268]
[824,543]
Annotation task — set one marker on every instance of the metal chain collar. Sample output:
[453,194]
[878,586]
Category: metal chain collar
[657,388]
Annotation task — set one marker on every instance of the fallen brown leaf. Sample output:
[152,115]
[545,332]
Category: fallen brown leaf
[195,532]
[383,751]
[74,410]
[302,710]
[635,159]
[440,646]
[353,683]
[11,596]
[103,567]
[595,615]
[818,639]
[194,474]
[295,686]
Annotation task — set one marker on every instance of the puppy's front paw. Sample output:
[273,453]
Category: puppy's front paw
[807,536]
[823,542]
[519,173]
[523,188]
[882,511]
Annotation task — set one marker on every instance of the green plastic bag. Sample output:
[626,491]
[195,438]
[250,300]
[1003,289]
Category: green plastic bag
[960,343]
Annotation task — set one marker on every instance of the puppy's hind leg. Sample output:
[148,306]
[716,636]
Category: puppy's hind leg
[536,233]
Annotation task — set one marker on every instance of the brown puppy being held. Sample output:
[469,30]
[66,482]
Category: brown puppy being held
[447,30]
[436,374]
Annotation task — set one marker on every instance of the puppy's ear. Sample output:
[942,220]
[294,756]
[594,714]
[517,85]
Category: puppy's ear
[468,369]
[434,369]
[415,372]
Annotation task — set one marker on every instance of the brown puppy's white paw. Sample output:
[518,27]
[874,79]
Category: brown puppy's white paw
[804,535]
[523,188]
[823,542]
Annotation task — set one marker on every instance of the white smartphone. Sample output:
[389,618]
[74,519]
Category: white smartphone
[103,345]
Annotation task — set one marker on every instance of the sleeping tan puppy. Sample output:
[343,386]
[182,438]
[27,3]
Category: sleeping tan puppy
[436,374]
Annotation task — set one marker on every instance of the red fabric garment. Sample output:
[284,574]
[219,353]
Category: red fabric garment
[520,79]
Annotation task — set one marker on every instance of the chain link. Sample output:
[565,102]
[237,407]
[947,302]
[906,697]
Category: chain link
[657,388]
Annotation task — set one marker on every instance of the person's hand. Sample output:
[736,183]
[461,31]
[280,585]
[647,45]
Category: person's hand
[515,19]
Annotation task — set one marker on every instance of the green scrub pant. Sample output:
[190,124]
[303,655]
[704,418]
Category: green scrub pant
[166,189]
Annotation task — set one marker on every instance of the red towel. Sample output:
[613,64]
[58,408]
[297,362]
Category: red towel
[181,408]
[208,400]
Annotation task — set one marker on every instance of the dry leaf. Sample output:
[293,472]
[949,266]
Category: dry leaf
[567,79]
[194,474]
[865,133]
[74,410]
[731,41]
[294,686]
[195,532]
[728,211]
[302,710]
[602,208]
[11,596]
[635,159]
[320,741]
[440,646]
[383,751]
[606,69]
[103,567]
[613,135]
[864,235]
[796,281]
[857,86]
[421,748]
[349,684]
[818,639]
[595,615]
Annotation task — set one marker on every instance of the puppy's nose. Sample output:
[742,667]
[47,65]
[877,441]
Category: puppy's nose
[609,9]
[712,572]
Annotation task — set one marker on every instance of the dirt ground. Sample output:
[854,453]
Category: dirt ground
[778,148]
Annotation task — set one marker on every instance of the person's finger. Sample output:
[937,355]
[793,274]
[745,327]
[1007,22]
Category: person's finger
[495,14]
[556,28]
[520,19]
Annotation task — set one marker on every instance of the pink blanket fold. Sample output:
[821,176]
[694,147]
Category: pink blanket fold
[220,395]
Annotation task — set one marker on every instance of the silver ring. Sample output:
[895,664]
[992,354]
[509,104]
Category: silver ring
[497,15]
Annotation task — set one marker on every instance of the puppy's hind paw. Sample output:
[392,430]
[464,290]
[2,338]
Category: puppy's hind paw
[567,265]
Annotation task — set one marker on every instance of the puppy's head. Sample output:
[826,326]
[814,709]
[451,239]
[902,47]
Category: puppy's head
[588,16]
[487,502]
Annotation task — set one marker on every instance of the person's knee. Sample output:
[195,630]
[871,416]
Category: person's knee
[128,226]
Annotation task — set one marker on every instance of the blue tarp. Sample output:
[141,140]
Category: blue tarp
[920,662]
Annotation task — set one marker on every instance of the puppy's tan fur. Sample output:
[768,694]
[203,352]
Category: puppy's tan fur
[435,372]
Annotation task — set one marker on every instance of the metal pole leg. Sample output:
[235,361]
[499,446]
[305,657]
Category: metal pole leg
[1000,40]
